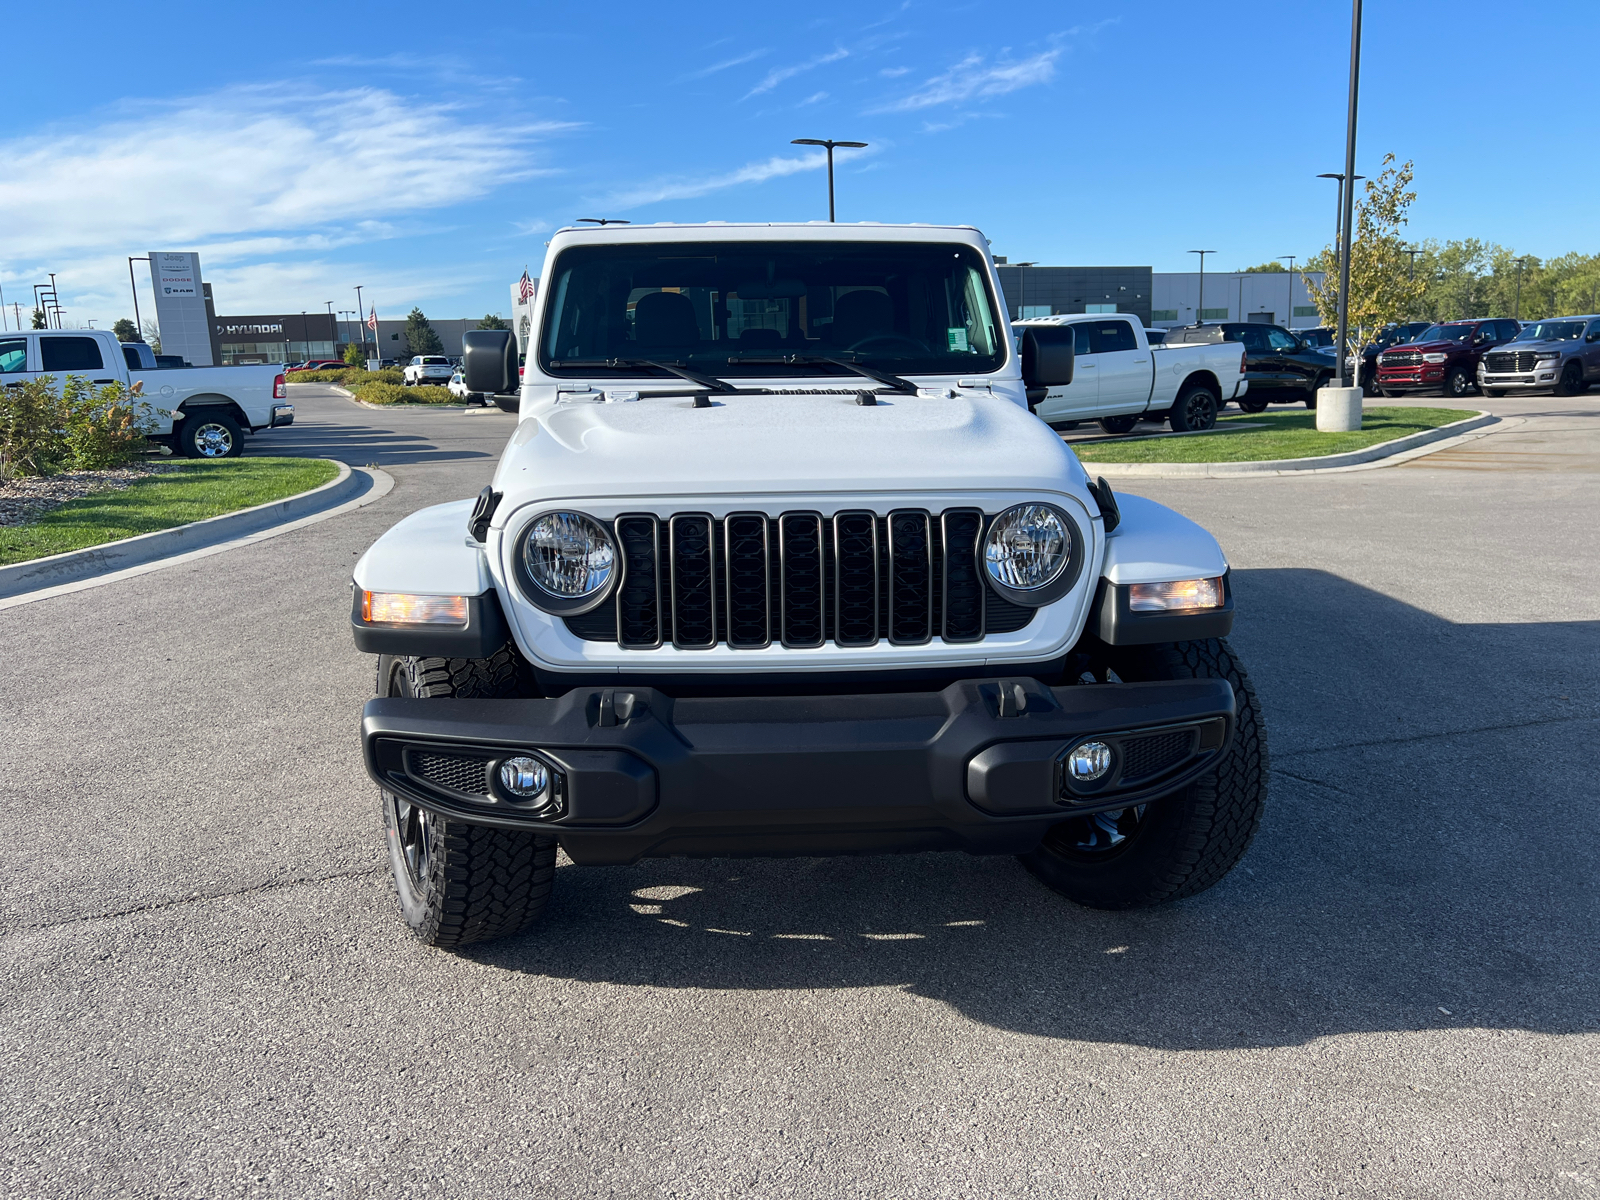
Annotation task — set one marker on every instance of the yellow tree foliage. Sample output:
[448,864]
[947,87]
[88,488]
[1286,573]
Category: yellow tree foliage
[1381,287]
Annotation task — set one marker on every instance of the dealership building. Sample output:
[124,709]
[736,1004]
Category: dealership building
[1161,299]
[277,338]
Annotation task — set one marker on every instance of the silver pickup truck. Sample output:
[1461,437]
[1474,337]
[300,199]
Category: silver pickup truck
[1122,379]
[201,412]
[1560,355]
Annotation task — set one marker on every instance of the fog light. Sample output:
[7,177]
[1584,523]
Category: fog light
[1175,597]
[524,777]
[401,608]
[1089,761]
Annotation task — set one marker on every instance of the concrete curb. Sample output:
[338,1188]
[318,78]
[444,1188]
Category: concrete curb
[76,565]
[1353,459]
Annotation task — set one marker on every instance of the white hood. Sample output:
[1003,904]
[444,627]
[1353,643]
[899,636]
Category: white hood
[783,443]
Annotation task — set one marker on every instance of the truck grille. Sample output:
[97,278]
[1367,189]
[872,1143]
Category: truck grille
[799,580]
[1521,360]
[1401,358]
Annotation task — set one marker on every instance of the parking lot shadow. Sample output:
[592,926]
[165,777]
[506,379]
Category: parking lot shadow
[359,445]
[1427,860]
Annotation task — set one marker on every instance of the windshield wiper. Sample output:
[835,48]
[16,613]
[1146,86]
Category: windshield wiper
[892,382]
[705,381]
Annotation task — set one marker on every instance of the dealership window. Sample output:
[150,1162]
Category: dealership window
[1163,314]
[1089,308]
[1033,310]
[1213,314]
[1305,310]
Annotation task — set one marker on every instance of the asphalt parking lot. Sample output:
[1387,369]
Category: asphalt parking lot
[206,991]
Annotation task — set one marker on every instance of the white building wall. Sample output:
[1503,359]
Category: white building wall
[1263,296]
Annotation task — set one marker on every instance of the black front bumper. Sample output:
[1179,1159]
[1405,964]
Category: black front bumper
[976,766]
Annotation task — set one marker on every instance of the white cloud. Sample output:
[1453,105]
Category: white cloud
[244,173]
[974,79]
[814,98]
[778,74]
[739,61]
[688,189]
[894,72]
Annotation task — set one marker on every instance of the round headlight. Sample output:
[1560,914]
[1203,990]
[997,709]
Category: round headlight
[569,557]
[1028,548]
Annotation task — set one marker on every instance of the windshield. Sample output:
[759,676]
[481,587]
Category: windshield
[1444,333]
[1551,331]
[902,307]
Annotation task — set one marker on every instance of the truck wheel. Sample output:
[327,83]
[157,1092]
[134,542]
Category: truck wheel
[1178,845]
[1118,425]
[1458,383]
[1494,393]
[461,883]
[1196,409]
[1571,381]
[1252,406]
[207,434]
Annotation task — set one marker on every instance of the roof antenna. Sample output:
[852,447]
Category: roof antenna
[602,221]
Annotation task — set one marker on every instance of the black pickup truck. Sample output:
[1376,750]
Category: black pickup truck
[1280,367]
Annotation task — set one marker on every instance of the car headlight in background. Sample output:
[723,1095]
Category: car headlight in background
[570,560]
[1030,554]
[1434,358]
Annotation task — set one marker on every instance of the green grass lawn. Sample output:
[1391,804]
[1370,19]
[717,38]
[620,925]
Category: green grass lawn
[1283,433]
[194,491]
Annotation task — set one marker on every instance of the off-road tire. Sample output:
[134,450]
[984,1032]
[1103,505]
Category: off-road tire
[209,433]
[1570,382]
[1187,841]
[1194,410]
[471,883]
[1117,426]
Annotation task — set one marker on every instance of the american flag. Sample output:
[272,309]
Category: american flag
[372,321]
[525,287]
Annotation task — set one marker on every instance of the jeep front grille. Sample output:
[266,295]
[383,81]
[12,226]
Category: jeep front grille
[799,580]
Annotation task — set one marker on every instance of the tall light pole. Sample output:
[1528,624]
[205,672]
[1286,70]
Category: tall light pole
[361,315]
[1347,209]
[830,145]
[1289,316]
[1200,308]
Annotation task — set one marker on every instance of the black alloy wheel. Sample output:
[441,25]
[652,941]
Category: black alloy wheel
[1458,383]
[1571,381]
[1196,410]
[1117,426]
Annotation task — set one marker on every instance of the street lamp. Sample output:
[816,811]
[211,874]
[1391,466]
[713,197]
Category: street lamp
[1200,309]
[361,315]
[1346,209]
[1289,317]
[1338,214]
[830,145]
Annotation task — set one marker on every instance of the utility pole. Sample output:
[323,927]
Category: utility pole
[830,145]
[1347,209]
[1288,317]
[1200,309]
[134,288]
[361,315]
[55,299]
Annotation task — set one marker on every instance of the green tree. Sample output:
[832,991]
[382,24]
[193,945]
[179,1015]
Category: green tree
[420,337]
[126,331]
[492,322]
[1266,268]
[39,321]
[353,354]
[1382,288]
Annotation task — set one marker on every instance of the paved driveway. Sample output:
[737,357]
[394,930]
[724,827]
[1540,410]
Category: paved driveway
[205,989]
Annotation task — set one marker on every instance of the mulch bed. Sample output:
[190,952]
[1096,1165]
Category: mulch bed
[26,500]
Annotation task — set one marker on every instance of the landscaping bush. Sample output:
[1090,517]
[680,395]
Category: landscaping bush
[394,393]
[349,378]
[76,428]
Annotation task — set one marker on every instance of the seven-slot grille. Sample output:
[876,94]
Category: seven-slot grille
[1402,358]
[800,580]
[1521,360]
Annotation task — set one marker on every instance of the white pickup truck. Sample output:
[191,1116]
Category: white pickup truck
[201,412]
[1121,378]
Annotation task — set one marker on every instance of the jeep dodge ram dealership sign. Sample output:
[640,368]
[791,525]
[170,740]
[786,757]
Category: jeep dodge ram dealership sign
[181,306]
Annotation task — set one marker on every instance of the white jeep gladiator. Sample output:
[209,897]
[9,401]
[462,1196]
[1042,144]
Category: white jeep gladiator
[779,562]
[201,412]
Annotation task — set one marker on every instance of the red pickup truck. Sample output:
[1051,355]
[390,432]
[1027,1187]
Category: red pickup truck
[1443,357]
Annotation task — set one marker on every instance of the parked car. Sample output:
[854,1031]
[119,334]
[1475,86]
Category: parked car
[458,387]
[319,364]
[1120,378]
[831,592]
[1319,338]
[201,412]
[428,369]
[1560,355]
[1389,335]
[1280,368]
[1444,357]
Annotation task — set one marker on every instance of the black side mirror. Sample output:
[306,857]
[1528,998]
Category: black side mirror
[1047,360]
[489,361]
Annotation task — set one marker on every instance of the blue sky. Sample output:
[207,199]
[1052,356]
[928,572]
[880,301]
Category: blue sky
[425,151]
